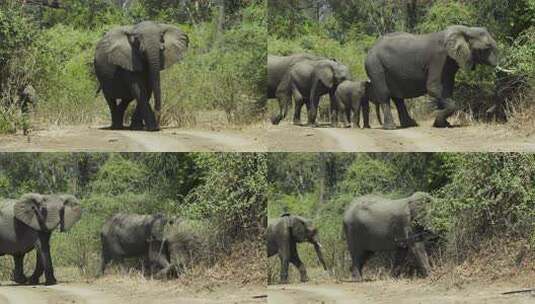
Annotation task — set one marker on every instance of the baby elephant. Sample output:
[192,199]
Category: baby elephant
[352,97]
[134,235]
[283,234]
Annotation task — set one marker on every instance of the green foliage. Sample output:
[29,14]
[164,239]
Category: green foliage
[232,194]
[443,14]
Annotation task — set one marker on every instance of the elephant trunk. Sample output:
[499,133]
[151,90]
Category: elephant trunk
[317,248]
[154,79]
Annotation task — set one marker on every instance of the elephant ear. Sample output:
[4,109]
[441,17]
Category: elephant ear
[458,47]
[175,45]
[72,212]
[158,227]
[297,228]
[119,51]
[326,74]
[24,209]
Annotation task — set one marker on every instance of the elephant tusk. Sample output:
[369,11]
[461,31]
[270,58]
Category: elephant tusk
[508,71]
[319,244]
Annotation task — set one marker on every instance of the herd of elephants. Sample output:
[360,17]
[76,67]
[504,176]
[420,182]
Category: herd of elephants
[128,61]
[166,244]
[370,224]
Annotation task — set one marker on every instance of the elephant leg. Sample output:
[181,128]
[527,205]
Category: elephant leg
[296,261]
[43,246]
[18,272]
[404,118]
[418,249]
[116,122]
[399,258]
[299,101]
[140,93]
[446,108]
[333,110]
[137,120]
[38,272]
[104,261]
[357,263]
[366,114]
[313,111]
[285,263]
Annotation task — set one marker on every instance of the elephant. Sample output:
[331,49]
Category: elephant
[183,244]
[373,223]
[307,81]
[27,223]
[403,65]
[135,235]
[128,61]
[283,234]
[352,97]
[278,67]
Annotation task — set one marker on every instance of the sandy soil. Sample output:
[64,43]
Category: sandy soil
[283,138]
[398,292]
[111,293]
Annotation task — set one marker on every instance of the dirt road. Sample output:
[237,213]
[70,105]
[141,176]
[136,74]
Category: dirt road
[69,293]
[393,292]
[281,138]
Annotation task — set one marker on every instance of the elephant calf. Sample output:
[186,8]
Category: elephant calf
[352,97]
[283,234]
[134,235]
[373,223]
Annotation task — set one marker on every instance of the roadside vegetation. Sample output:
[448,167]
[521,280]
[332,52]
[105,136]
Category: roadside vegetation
[345,30]
[220,81]
[228,217]
[483,209]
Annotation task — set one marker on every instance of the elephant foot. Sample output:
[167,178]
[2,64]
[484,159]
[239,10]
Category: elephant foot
[52,281]
[367,127]
[304,279]
[136,127]
[33,281]
[114,127]
[441,124]
[390,126]
[153,129]
[297,122]
[409,123]
[275,120]
[283,281]
[20,279]
[312,125]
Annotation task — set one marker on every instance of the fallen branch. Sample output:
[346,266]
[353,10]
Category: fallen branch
[519,291]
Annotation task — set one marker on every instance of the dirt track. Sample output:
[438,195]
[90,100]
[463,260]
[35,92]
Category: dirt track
[395,292]
[282,138]
[68,293]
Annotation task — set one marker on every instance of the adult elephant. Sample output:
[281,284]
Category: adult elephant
[403,65]
[278,67]
[352,97]
[307,81]
[134,235]
[283,234]
[373,223]
[27,223]
[128,61]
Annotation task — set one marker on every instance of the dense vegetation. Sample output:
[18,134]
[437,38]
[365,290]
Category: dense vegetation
[345,30]
[53,49]
[193,186]
[478,199]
